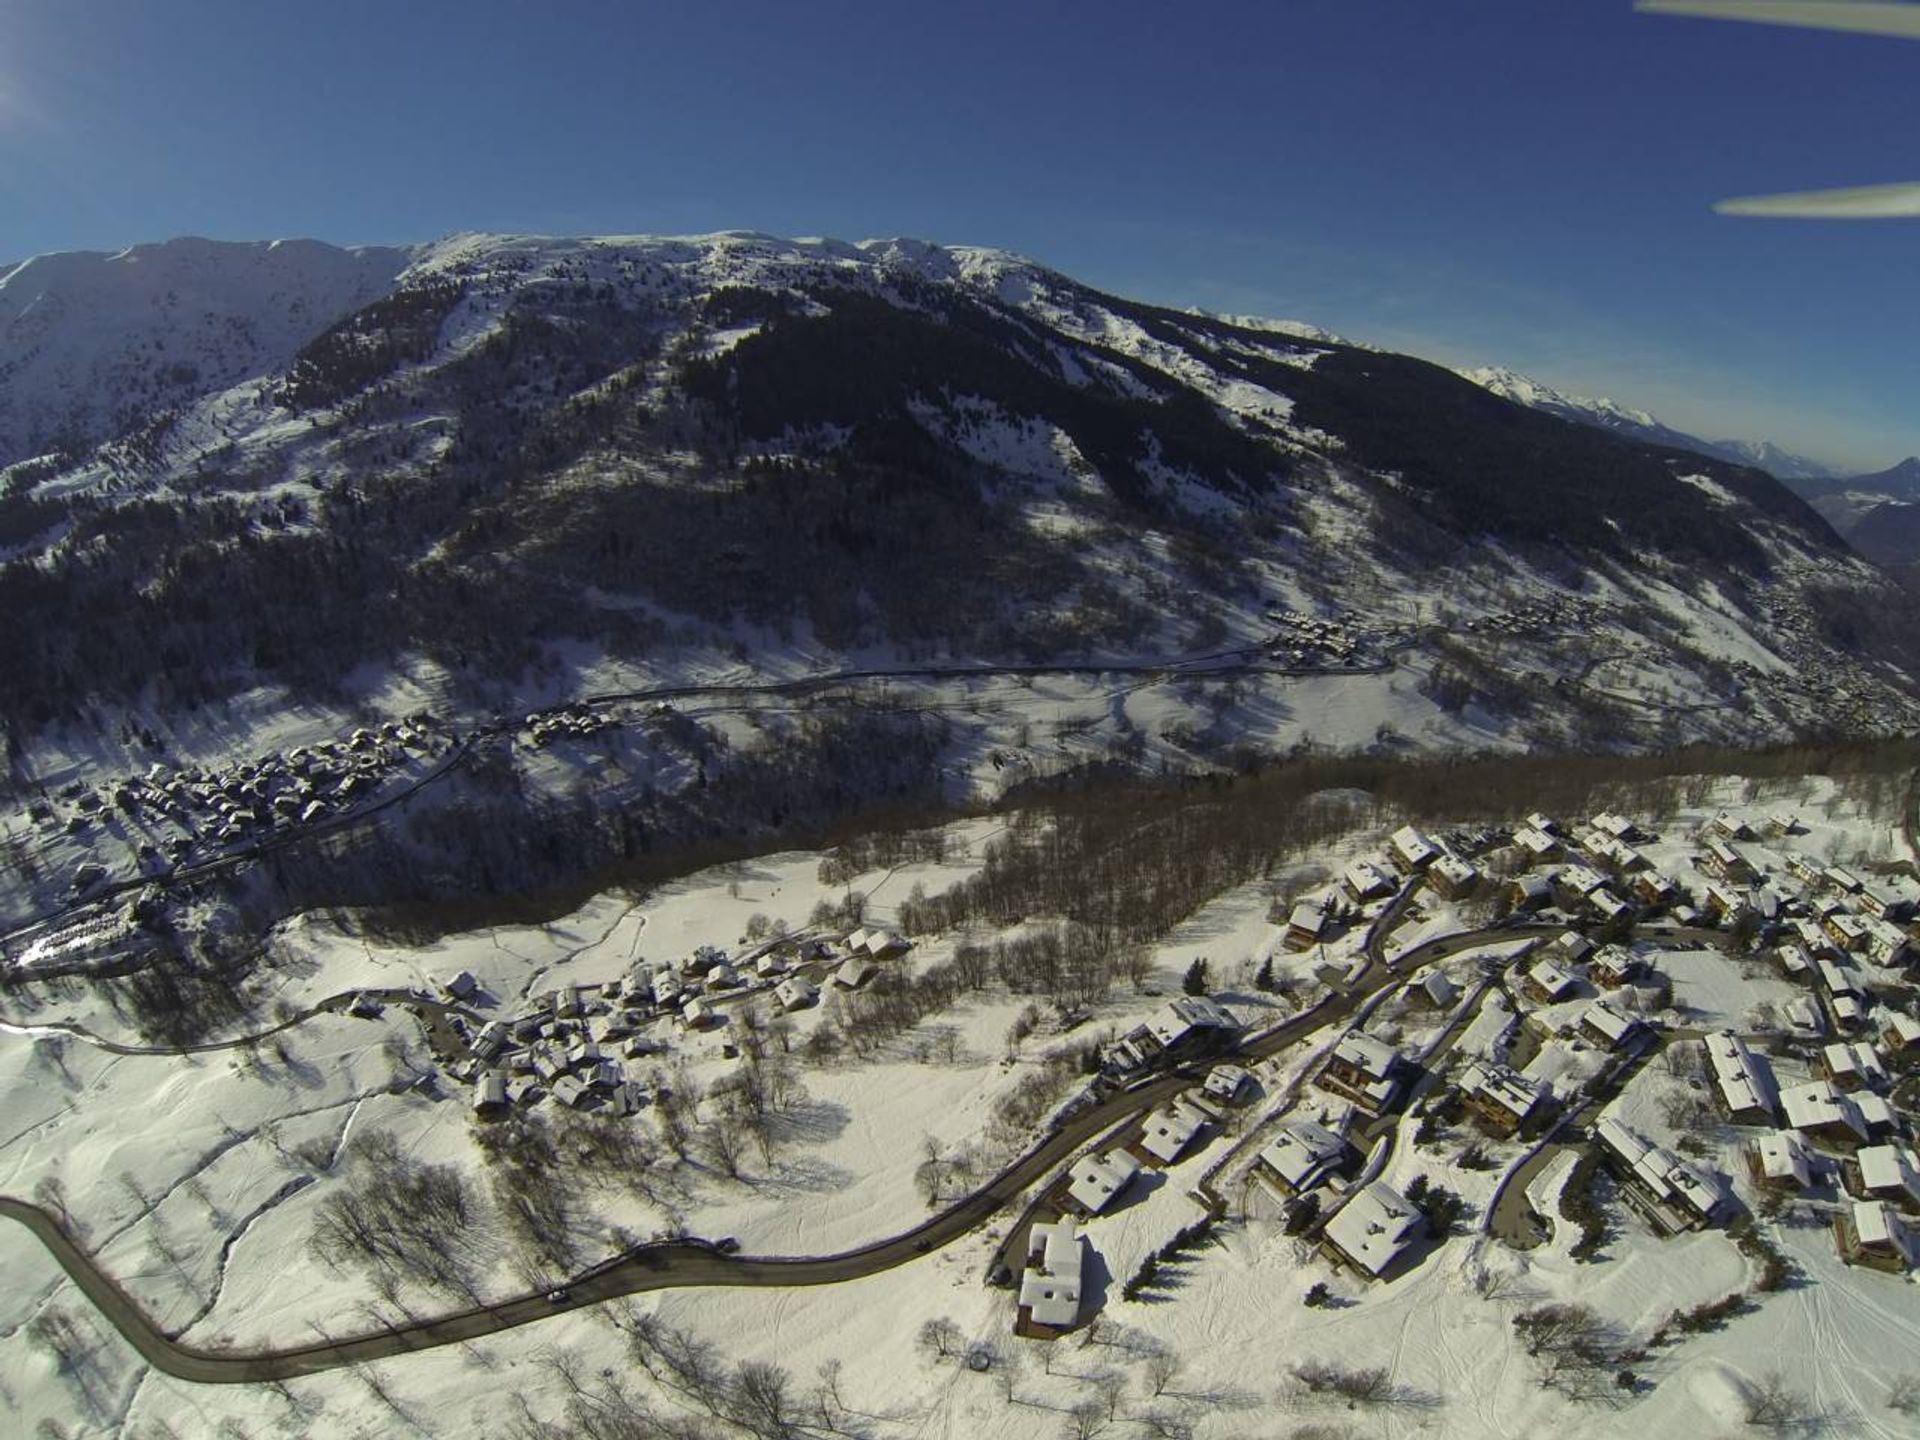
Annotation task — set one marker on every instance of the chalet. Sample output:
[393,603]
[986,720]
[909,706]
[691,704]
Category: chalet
[1803,1018]
[1227,1084]
[1794,962]
[1606,1025]
[1885,1172]
[1364,881]
[1837,979]
[1849,1012]
[1096,1181]
[697,1014]
[1846,930]
[1812,937]
[1050,1287]
[1655,887]
[1781,1160]
[854,971]
[572,1091]
[490,1094]
[1453,878]
[1364,1070]
[1803,868]
[1722,862]
[1877,1114]
[1548,982]
[1618,827]
[1729,827]
[461,988]
[1902,1034]
[1608,905]
[1411,850]
[771,965]
[1575,883]
[1670,1194]
[796,992]
[1537,845]
[1782,822]
[1530,892]
[1570,947]
[1887,944]
[1824,1113]
[522,1090]
[1545,824]
[1743,1081]
[492,1039]
[1872,1233]
[1302,1156]
[1874,904]
[1853,1066]
[882,943]
[1500,1096]
[1306,925]
[1373,1232]
[1725,902]
[1192,1025]
[1841,880]
[1434,990]
[1613,966]
[1168,1131]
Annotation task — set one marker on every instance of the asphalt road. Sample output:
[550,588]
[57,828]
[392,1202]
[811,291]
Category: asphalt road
[678,1265]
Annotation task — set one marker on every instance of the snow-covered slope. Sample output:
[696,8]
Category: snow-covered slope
[535,465]
[91,344]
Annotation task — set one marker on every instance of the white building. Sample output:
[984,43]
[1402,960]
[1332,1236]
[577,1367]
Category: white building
[1097,1180]
[1374,1230]
[1050,1287]
[1302,1155]
[1171,1129]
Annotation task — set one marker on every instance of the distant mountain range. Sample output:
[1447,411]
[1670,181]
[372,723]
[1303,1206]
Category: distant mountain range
[1639,425]
[508,459]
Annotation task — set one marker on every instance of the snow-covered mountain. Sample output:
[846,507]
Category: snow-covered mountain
[1639,425]
[511,460]
[92,344]
[1780,463]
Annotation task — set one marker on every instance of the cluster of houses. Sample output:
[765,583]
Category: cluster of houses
[187,812]
[577,1043]
[1552,615]
[568,721]
[1313,641]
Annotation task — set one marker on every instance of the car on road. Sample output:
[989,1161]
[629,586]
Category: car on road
[726,1245]
[558,1296]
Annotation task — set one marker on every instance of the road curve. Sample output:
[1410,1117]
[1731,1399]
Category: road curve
[677,1265]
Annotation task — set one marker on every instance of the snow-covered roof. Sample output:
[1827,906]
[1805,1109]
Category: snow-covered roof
[1745,1079]
[1050,1290]
[1300,1150]
[1890,1168]
[1855,1062]
[1371,1057]
[1096,1179]
[1309,917]
[1553,979]
[1876,1111]
[1173,1021]
[1903,1029]
[1375,1227]
[1413,847]
[1455,871]
[1783,1155]
[1502,1086]
[1170,1129]
[1816,1104]
[1363,877]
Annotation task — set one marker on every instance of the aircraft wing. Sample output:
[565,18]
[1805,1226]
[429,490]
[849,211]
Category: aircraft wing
[1861,17]
[1860,202]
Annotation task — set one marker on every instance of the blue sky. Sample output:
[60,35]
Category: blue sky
[1479,181]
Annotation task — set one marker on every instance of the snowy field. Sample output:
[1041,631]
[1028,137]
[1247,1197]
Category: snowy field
[197,1182]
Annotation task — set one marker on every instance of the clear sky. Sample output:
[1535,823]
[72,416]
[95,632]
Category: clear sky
[1523,182]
